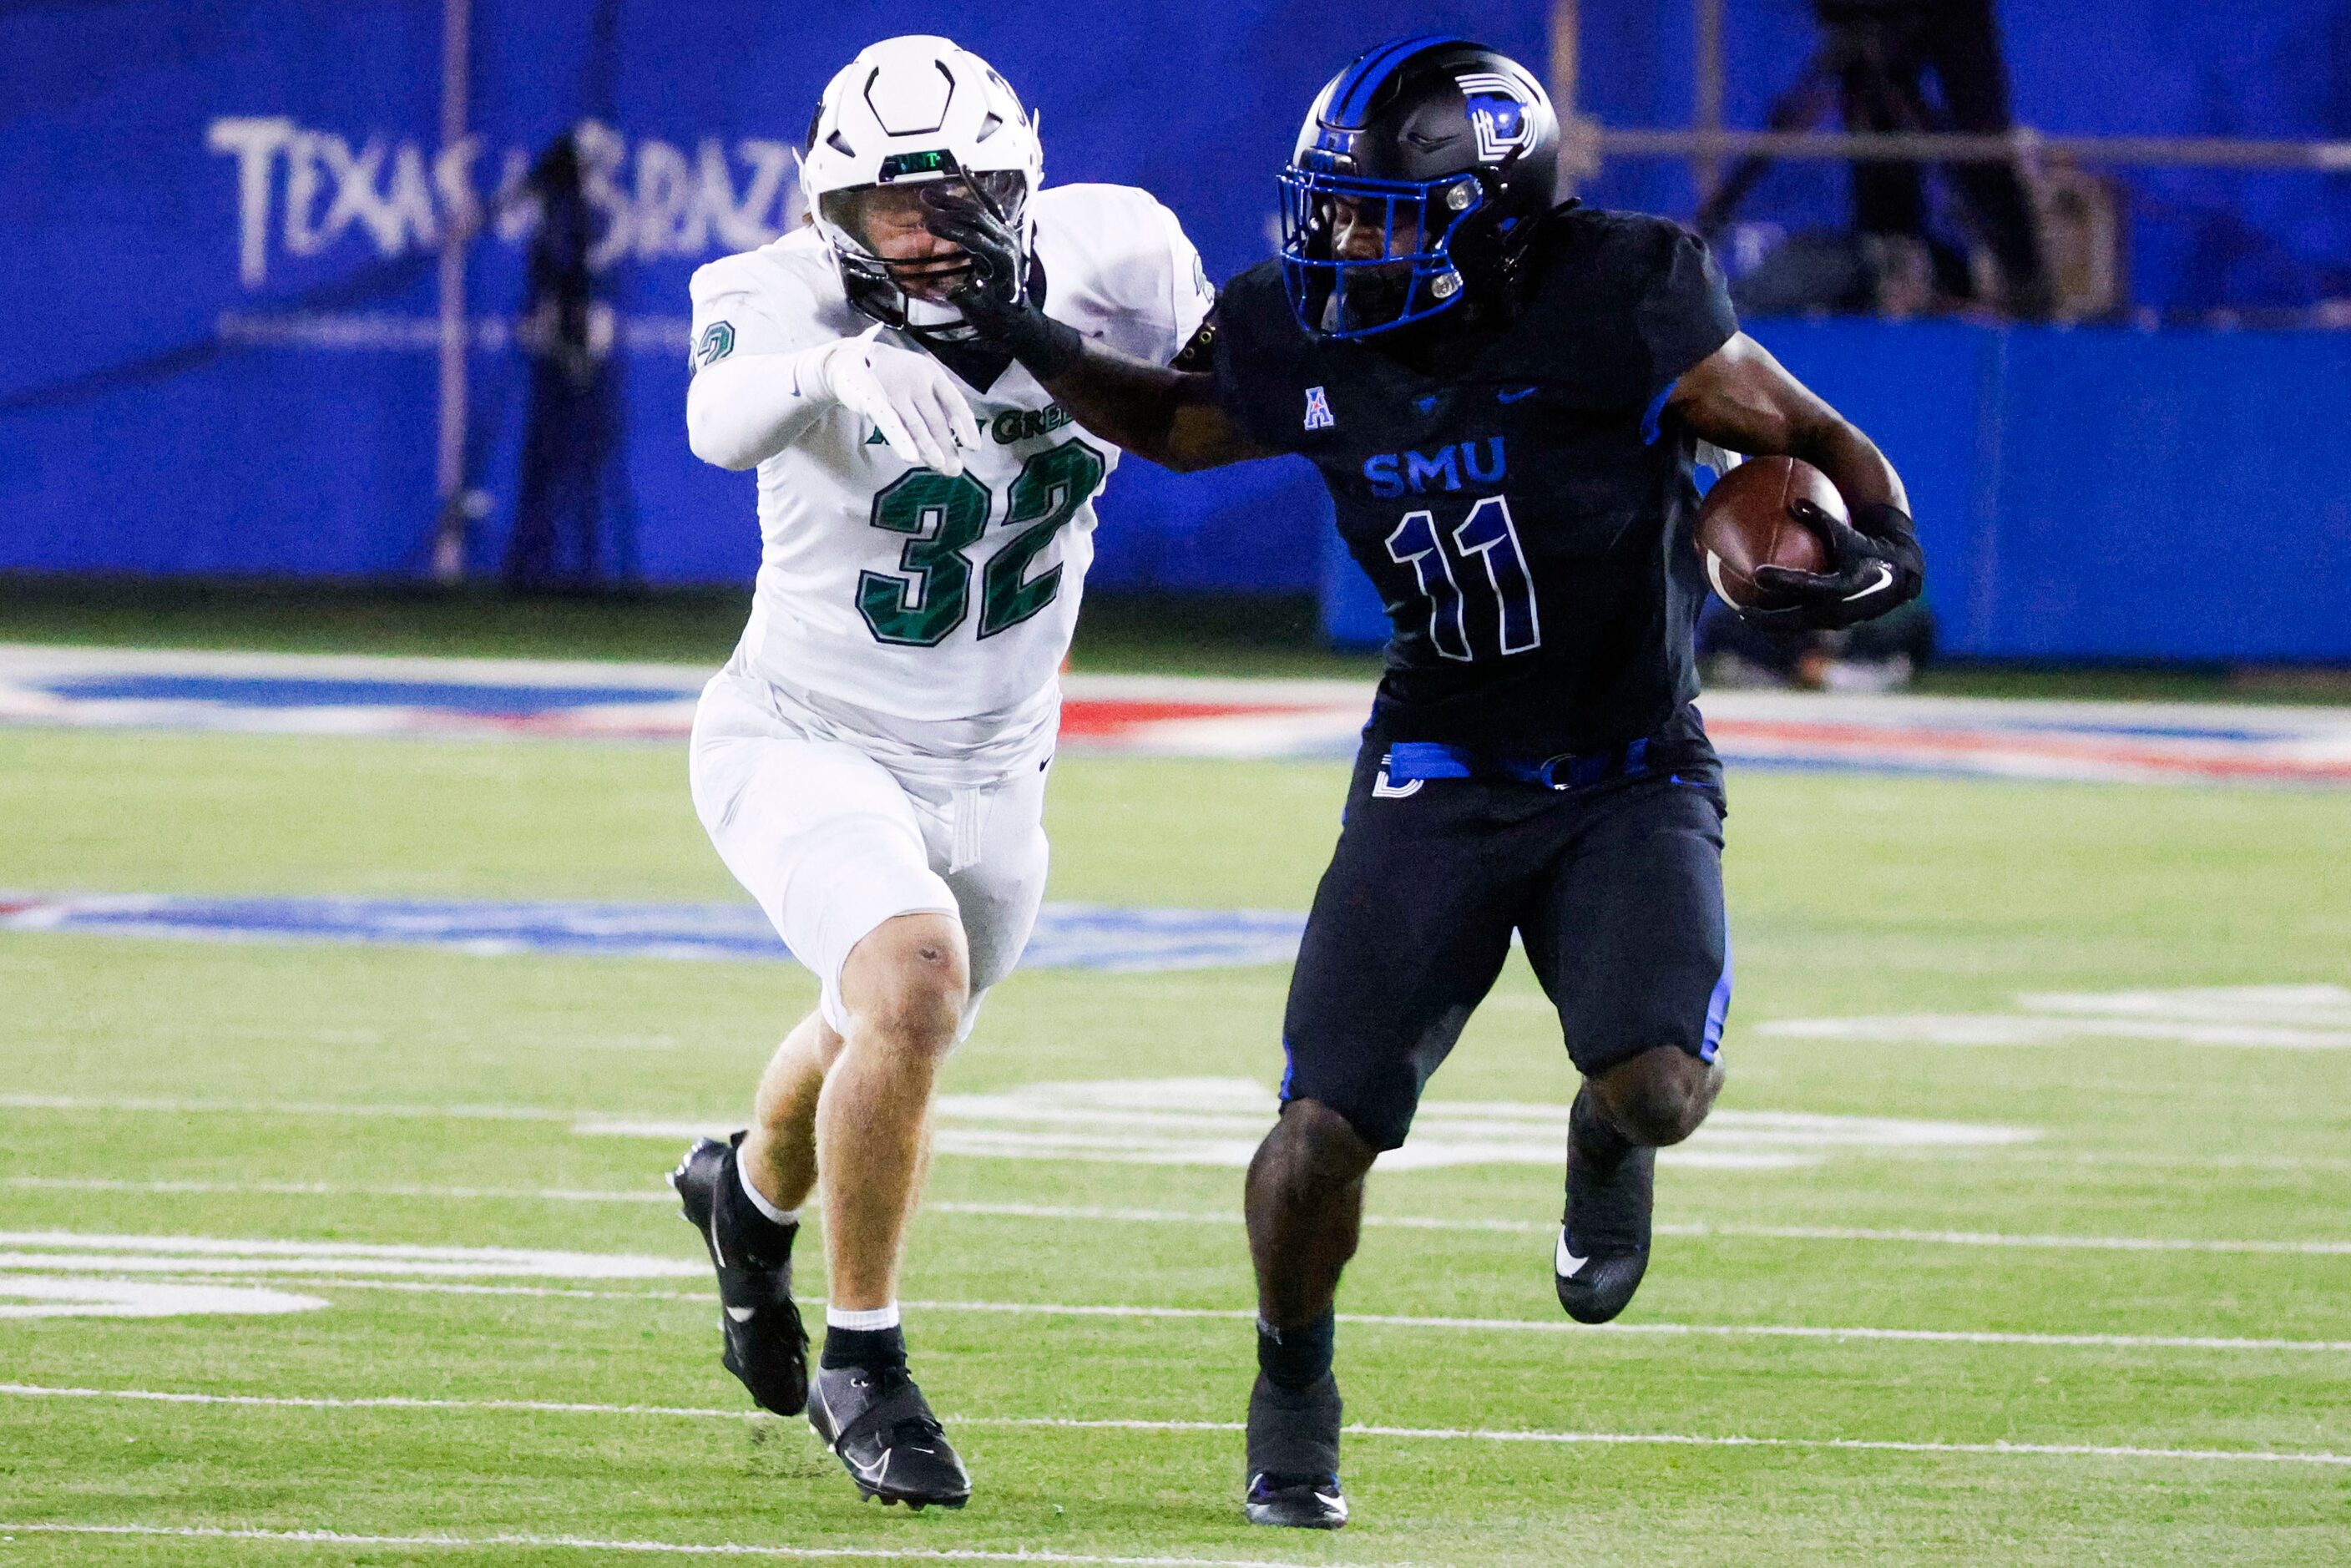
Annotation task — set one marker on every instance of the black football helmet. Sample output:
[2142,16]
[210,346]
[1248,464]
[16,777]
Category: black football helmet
[1419,179]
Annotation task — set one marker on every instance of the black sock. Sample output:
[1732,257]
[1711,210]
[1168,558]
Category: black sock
[1596,1137]
[875,1350]
[1299,1357]
[743,1228]
[1609,1177]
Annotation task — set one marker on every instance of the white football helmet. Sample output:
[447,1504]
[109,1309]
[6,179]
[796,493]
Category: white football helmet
[908,112]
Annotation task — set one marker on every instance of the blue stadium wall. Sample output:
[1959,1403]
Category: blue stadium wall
[2089,494]
[216,329]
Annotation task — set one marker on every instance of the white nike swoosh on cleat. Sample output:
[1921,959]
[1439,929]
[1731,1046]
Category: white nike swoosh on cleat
[1564,1261]
[742,1314]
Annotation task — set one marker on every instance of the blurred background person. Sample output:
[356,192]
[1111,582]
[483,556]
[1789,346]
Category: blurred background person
[1881,52]
[572,434]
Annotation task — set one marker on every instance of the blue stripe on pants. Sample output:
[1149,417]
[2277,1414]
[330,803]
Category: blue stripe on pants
[1717,1009]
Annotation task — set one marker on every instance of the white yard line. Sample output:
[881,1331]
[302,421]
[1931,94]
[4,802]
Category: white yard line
[1722,1331]
[651,1193]
[1689,1440]
[1756,1232]
[38,1296]
[97,1253]
[663,1196]
[2011,1239]
[641,1548]
[2134,1159]
[592,1120]
[327,1281]
[171,1107]
[446,1287]
[1430,1434]
[21,659]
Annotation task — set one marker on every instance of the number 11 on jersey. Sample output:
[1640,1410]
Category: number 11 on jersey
[1489,535]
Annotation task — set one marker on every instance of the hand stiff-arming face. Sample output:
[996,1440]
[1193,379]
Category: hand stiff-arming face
[888,222]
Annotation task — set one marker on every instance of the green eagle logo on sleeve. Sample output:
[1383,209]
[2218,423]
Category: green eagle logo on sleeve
[717,341]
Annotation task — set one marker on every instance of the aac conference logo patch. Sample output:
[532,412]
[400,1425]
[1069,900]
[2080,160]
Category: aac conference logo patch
[717,341]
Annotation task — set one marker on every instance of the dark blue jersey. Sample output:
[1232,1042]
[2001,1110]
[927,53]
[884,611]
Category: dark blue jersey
[1525,516]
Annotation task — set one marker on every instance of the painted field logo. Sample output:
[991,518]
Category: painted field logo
[2271,1018]
[1067,935]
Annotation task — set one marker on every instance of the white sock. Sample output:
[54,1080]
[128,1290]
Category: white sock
[759,1199]
[875,1318]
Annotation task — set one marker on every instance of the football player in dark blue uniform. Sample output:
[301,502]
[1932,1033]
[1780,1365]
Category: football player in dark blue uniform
[1505,397]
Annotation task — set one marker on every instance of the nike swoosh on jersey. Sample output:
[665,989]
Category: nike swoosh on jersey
[1564,1261]
[1516,394]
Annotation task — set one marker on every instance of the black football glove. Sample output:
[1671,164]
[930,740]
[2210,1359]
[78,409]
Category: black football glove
[1874,565]
[993,293]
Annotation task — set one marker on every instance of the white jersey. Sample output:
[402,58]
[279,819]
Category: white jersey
[943,608]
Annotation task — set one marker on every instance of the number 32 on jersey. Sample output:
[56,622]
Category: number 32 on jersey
[922,603]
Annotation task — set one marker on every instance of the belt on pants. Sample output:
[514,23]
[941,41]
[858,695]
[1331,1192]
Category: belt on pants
[1410,760]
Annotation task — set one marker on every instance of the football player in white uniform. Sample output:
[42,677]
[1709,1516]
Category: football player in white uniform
[870,764]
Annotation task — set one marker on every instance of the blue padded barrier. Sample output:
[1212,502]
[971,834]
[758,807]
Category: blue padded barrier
[2089,494]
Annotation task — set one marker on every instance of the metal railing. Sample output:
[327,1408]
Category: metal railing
[1704,147]
[1707,144]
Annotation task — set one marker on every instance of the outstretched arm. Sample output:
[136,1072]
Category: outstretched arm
[1163,412]
[741,411]
[1741,398]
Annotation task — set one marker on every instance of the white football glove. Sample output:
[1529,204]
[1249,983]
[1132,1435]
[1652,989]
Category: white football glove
[909,396]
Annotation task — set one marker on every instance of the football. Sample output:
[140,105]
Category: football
[1751,519]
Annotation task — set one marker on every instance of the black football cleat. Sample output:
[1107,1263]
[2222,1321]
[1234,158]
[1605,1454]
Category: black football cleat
[1293,1455]
[764,1344]
[883,1430]
[1603,1237]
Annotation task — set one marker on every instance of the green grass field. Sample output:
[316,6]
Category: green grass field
[405,1097]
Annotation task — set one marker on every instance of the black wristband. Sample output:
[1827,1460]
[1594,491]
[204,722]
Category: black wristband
[1884,520]
[1046,347]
